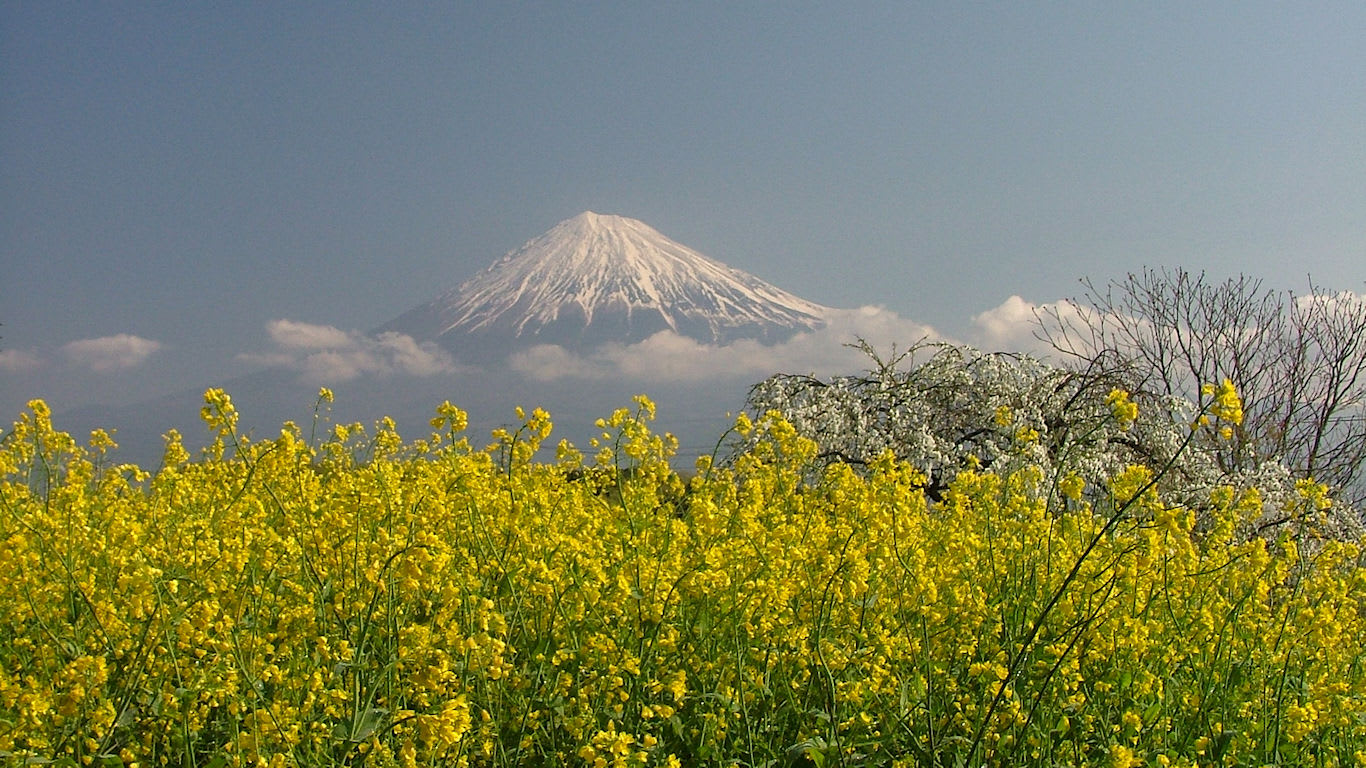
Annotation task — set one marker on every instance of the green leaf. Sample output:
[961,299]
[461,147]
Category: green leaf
[812,749]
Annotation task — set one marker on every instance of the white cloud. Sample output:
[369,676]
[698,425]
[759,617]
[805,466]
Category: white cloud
[1013,325]
[548,362]
[110,353]
[19,361]
[1331,303]
[337,365]
[1007,325]
[666,356]
[415,359]
[292,334]
[323,353]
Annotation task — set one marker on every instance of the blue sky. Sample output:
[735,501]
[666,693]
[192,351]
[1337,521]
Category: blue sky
[177,176]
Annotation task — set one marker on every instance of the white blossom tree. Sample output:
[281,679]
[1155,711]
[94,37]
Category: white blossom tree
[945,408]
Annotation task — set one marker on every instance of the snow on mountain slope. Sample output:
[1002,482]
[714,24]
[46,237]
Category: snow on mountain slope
[597,278]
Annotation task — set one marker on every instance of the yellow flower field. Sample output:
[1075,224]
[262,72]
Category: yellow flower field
[358,599]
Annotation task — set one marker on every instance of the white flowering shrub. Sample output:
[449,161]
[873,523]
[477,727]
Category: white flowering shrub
[946,408]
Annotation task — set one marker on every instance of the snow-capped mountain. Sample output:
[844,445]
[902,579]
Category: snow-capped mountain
[598,278]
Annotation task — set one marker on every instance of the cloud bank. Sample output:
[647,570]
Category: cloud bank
[666,356]
[323,353]
[110,353]
[1010,326]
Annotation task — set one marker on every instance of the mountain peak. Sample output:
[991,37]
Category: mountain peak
[590,221]
[601,277]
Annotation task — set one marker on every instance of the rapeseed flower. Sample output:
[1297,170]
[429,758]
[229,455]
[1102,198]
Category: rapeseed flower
[1124,410]
[370,601]
[1225,405]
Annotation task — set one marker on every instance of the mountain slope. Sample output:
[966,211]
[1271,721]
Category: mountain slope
[598,278]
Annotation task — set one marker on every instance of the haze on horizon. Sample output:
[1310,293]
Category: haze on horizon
[193,192]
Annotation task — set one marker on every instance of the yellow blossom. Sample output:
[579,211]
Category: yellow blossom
[1124,410]
[1225,405]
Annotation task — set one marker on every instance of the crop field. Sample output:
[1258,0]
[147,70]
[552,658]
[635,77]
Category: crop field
[339,595]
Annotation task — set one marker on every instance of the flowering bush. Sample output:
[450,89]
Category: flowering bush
[365,600]
[961,409]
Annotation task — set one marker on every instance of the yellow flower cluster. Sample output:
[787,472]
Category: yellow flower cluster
[1226,405]
[1222,404]
[371,601]
[1124,410]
